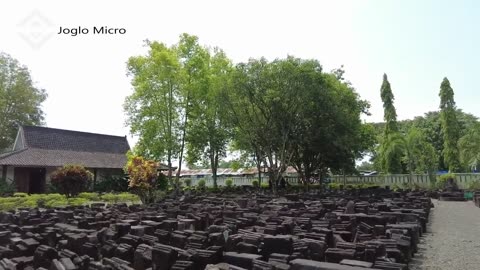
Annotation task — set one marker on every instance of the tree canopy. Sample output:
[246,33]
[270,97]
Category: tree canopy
[450,127]
[192,103]
[20,100]
[289,112]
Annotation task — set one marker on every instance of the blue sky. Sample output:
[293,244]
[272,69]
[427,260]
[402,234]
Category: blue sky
[417,43]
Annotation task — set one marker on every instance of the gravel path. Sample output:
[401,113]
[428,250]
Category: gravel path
[452,241]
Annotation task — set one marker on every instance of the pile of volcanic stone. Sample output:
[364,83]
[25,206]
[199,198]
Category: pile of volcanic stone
[295,231]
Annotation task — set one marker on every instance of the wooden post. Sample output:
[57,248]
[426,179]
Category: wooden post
[94,178]
[4,173]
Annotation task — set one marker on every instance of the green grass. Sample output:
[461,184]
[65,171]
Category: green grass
[23,200]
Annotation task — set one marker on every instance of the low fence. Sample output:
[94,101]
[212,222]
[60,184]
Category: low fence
[463,179]
[423,180]
[237,181]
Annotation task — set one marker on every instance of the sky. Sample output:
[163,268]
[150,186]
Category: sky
[416,43]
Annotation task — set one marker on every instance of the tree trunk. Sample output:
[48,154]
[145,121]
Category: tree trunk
[259,168]
[214,166]
[169,164]
[182,147]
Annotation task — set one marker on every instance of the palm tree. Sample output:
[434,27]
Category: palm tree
[469,146]
[417,154]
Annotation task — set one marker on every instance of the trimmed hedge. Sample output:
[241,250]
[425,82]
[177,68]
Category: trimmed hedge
[23,200]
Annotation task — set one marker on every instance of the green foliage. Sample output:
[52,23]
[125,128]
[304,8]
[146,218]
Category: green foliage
[366,166]
[469,146]
[288,111]
[229,182]
[391,152]
[395,187]
[20,194]
[20,101]
[120,197]
[142,175]
[442,180]
[474,185]
[162,182]
[450,126]
[429,124]
[170,83]
[334,186]
[421,156]
[6,188]
[389,111]
[187,181]
[201,184]
[71,180]
[58,200]
[255,183]
[91,196]
[392,146]
[209,130]
[338,186]
[112,183]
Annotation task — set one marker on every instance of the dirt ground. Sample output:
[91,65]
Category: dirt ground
[452,241]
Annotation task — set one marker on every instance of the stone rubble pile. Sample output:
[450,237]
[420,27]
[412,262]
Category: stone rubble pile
[296,231]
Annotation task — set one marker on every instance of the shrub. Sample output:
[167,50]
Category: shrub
[91,196]
[162,182]
[142,175]
[265,185]
[474,185]
[112,183]
[255,183]
[71,180]
[201,184]
[6,188]
[229,182]
[334,186]
[20,194]
[187,181]
[443,179]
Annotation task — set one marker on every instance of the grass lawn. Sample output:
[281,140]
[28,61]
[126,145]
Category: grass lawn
[23,200]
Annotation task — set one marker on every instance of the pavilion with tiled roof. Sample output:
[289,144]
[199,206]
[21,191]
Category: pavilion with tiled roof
[38,151]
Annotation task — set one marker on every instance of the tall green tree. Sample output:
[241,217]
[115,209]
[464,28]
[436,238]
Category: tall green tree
[429,124]
[331,135]
[469,147]
[152,109]
[420,154]
[209,131]
[194,64]
[265,101]
[289,113]
[171,83]
[20,100]
[390,154]
[450,127]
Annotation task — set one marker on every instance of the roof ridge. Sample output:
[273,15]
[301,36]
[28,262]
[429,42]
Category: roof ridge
[76,131]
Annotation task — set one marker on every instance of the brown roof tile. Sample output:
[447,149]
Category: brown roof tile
[57,158]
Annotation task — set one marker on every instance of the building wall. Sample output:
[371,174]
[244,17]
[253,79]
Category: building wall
[9,173]
[104,173]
